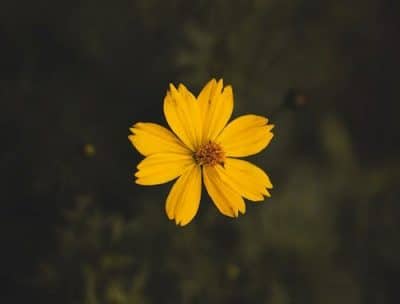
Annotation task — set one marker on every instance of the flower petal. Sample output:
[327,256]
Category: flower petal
[216,110]
[227,200]
[162,167]
[194,118]
[184,198]
[149,138]
[245,178]
[182,113]
[207,94]
[246,135]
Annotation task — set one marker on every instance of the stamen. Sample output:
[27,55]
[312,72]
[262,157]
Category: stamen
[209,154]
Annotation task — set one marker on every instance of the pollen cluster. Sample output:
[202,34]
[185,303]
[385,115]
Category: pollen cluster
[209,154]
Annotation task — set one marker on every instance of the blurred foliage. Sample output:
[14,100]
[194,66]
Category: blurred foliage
[77,74]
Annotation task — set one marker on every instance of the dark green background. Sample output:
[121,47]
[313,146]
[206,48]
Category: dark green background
[76,229]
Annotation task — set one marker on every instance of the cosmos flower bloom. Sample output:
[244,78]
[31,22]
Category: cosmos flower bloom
[203,146]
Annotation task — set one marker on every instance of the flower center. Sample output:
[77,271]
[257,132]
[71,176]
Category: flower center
[209,154]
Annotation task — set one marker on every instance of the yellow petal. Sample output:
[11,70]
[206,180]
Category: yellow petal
[184,198]
[173,116]
[224,197]
[249,169]
[218,113]
[162,167]
[149,138]
[245,135]
[194,118]
[182,113]
[245,178]
[205,95]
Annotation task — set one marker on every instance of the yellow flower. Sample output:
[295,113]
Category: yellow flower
[203,145]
